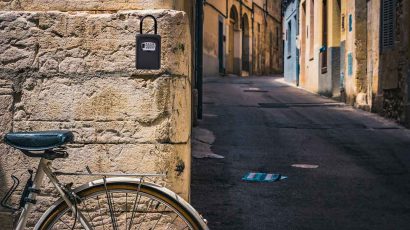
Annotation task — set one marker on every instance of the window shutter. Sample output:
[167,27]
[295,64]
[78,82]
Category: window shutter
[388,23]
[350,64]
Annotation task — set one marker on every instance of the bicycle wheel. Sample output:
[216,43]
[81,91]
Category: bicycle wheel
[123,203]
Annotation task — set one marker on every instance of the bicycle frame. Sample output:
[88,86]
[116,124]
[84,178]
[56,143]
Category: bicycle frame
[44,169]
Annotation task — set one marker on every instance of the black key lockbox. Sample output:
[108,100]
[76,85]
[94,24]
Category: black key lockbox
[148,48]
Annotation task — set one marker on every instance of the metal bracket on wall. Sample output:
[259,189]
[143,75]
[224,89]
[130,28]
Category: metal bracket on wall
[180,167]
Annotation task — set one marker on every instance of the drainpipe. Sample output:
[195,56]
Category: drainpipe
[199,14]
[266,12]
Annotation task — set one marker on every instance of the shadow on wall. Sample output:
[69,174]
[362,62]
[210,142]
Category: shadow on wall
[6,216]
[6,105]
[3,182]
[8,164]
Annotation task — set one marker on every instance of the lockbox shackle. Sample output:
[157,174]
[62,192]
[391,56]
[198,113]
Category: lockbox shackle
[155,23]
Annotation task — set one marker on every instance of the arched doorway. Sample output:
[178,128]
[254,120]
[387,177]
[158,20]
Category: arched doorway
[233,60]
[245,43]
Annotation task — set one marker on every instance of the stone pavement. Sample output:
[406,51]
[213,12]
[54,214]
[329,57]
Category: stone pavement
[261,124]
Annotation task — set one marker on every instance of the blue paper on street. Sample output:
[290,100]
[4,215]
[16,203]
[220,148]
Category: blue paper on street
[263,177]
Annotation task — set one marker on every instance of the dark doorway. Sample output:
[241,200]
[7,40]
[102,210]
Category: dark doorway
[233,58]
[221,47]
[245,43]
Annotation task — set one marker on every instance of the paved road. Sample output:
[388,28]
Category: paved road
[362,181]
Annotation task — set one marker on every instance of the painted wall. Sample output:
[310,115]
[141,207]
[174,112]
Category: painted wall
[291,30]
[267,52]
[309,9]
[210,39]
[263,39]
[329,83]
[367,75]
[320,46]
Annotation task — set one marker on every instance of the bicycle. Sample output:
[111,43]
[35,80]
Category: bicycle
[117,201]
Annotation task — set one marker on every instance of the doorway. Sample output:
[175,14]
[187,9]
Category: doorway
[232,65]
[221,46]
[245,43]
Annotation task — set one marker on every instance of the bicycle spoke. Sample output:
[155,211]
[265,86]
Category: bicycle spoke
[162,214]
[88,213]
[145,215]
[113,209]
[126,209]
[170,224]
[65,223]
[113,219]
[112,212]
[135,206]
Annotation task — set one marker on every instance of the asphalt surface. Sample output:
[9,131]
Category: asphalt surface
[264,125]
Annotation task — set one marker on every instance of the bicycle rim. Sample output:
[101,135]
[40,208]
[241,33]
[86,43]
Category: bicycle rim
[127,206]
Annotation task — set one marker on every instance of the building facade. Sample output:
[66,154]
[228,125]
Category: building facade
[320,46]
[357,51]
[291,38]
[70,64]
[242,37]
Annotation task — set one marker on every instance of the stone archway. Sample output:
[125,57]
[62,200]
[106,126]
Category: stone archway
[245,44]
[233,60]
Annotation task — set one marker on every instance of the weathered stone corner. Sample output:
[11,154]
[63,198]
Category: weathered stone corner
[76,71]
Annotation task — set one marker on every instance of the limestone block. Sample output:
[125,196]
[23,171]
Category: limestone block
[85,5]
[180,119]
[107,109]
[83,43]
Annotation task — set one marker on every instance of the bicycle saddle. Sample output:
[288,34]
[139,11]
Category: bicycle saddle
[38,141]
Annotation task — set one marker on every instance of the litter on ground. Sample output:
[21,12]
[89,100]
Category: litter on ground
[263,177]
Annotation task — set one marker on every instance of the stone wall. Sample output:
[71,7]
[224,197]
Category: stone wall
[394,65]
[77,71]
[85,5]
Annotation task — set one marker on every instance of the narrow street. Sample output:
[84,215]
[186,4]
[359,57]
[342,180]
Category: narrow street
[263,125]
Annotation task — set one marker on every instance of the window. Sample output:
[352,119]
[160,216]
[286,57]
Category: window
[350,64]
[289,38]
[388,23]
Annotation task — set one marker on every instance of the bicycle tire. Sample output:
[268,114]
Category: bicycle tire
[112,185]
